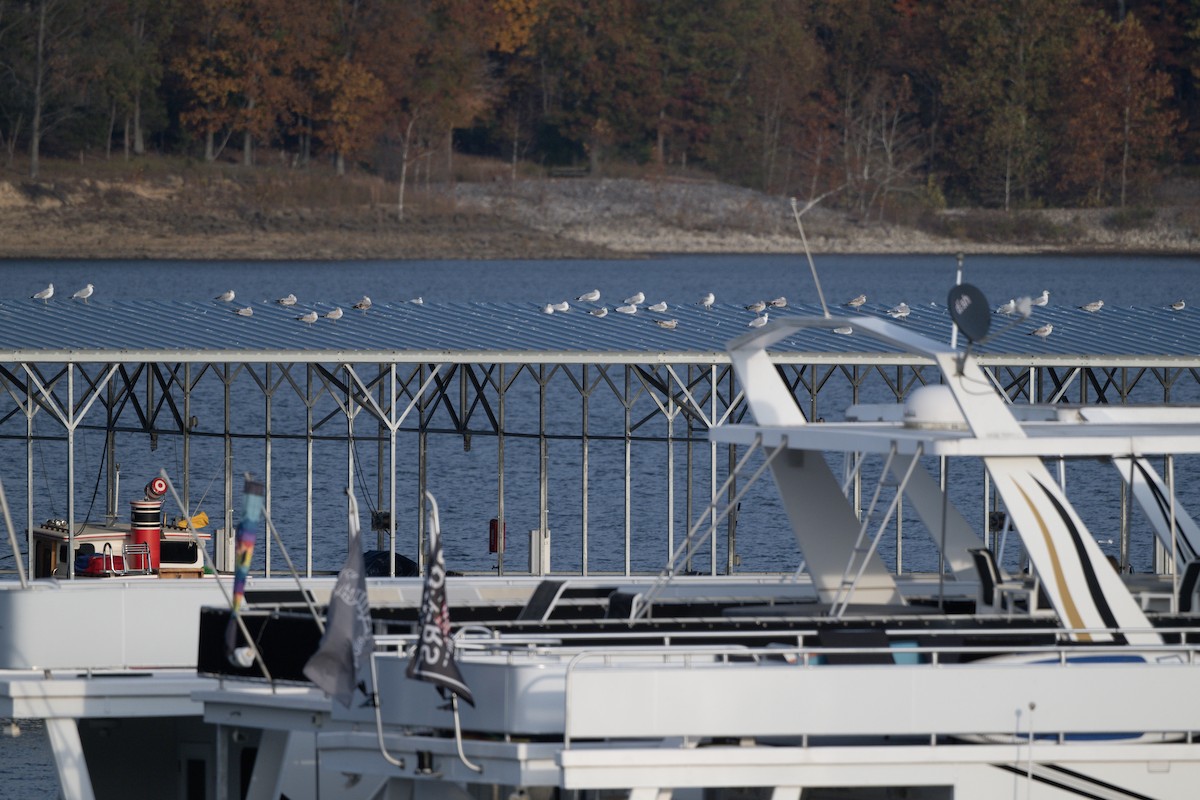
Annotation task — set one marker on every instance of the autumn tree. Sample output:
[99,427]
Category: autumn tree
[431,60]
[45,62]
[242,66]
[1115,124]
[1001,66]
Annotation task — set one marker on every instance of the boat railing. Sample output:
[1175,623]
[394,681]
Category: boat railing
[584,681]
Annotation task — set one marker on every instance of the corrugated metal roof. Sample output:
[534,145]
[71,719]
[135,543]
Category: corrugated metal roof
[177,331]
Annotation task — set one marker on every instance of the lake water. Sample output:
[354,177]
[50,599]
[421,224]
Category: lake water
[463,479]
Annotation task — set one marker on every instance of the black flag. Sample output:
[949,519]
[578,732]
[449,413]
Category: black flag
[433,659]
[347,642]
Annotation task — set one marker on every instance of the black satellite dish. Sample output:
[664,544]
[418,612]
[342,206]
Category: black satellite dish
[969,310]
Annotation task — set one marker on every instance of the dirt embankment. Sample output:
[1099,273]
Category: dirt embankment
[174,217]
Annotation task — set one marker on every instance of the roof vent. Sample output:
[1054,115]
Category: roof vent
[933,408]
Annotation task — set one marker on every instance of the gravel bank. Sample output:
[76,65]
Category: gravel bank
[552,218]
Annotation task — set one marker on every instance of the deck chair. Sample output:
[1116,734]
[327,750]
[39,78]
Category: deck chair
[1188,586]
[997,590]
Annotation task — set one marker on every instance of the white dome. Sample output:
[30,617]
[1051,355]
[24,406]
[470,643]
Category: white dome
[933,406]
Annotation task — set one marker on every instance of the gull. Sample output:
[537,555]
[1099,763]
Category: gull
[418,301]
[1042,299]
[245,312]
[1093,307]
[845,330]
[226,296]
[757,306]
[308,318]
[589,297]
[45,294]
[637,299]
[84,293]
[335,314]
[858,302]
[563,306]
[548,308]
[660,306]
[1178,305]
[629,309]
[707,301]
[1043,331]
[899,312]
[602,311]
[669,324]
[1007,308]
[364,304]
[757,322]
[778,302]
[290,300]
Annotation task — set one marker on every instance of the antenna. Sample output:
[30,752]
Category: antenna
[804,240]
[954,326]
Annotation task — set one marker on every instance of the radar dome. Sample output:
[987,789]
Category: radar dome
[933,407]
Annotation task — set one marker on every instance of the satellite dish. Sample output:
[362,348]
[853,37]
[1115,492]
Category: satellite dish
[969,310]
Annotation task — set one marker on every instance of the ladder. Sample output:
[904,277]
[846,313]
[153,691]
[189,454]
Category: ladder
[863,548]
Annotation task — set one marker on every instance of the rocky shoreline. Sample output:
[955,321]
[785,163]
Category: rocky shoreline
[542,218]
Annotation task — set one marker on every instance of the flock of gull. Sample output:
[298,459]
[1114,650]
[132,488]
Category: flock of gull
[309,317]
[631,305]
[637,301]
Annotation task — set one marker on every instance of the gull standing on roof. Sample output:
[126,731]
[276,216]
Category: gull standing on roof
[589,297]
[899,312]
[601,312]
[45,294]
[636,300]
[84,293]
[1043,331]
[245,312]
[758,322]
[309,317]
[778,302]
[1093,307]
[548,308]
[418,301]
[669,324]
[1178,305]
[757,306]
[364,304]
[1043,298]
[1007,308]
[707,301]
[845,330]
[226,296]
[290,300]
[857,302]
[659,307]
[335,314]
[628,309]
[563,306]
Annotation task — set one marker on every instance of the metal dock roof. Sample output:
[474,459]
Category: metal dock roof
[176,331]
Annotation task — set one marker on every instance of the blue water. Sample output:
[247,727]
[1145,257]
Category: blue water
[464,480]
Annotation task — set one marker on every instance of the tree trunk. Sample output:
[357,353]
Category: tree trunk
[139,134]
[35,133]
[339,162]
[112,126]
[209,155]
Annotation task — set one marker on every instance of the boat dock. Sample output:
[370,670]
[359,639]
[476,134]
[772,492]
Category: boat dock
[388,391]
